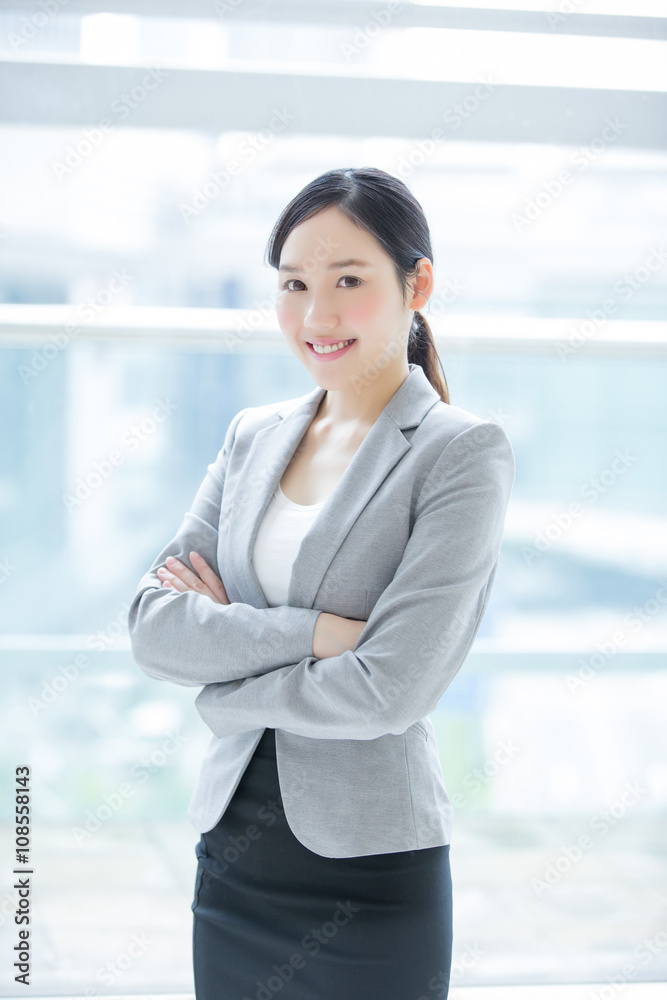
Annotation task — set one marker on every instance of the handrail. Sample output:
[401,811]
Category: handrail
[250,331]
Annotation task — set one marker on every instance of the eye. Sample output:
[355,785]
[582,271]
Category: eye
[342,278]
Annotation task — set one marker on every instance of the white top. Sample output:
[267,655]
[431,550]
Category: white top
[278,539]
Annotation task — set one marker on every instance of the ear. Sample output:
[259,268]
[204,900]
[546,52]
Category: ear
[422,284]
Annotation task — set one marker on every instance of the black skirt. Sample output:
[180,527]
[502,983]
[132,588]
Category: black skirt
[272,918]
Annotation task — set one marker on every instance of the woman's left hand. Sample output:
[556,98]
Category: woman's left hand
[180,577]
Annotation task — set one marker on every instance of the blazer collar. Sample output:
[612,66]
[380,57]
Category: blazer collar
[269,455]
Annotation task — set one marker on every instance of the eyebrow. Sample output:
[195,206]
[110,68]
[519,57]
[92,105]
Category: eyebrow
[351,262]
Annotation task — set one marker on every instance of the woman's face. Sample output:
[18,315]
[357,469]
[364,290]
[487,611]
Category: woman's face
[324,298]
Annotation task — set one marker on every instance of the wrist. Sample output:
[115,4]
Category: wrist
[323,636]
[334,635]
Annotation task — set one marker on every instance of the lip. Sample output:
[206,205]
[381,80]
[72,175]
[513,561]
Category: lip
[335,355]
[324,341]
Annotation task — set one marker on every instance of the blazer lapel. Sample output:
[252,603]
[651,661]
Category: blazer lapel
[269,455]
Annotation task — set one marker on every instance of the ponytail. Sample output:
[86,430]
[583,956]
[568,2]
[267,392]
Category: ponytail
[422,351]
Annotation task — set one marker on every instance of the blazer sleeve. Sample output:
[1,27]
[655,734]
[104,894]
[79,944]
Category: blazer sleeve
[421,627]
[189,639]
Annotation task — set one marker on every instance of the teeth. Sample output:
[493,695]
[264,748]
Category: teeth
[329,348]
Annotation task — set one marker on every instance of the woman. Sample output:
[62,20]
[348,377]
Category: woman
[374,532]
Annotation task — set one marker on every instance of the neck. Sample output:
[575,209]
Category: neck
[361,403]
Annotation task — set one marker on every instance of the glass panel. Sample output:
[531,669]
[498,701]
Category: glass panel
[384,43]
[536,230]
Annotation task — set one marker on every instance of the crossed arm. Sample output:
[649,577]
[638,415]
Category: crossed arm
[421,628]
[332,634]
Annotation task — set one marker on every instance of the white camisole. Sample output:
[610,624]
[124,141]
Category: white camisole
[278,539]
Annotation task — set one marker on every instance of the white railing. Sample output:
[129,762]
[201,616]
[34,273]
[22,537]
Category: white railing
[256,331]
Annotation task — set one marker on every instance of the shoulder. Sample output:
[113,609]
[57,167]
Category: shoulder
[463,446]
[445,423]
[247,422]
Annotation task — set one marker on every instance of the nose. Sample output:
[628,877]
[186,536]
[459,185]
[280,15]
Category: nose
[320,314]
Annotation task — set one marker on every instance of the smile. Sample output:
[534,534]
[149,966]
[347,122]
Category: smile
[331,350]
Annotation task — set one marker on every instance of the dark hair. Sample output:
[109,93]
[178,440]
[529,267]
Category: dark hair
[385,207]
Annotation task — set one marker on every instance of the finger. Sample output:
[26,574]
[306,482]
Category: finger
[169,580]
[185,574]
[173,579]
[210,578]
[183,579]
[183,588]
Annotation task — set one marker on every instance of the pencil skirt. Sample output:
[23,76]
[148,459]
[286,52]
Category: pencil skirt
[271,918]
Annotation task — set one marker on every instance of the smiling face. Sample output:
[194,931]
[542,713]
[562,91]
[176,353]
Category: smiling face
[336,284]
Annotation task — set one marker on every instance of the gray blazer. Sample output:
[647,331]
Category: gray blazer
[409,539]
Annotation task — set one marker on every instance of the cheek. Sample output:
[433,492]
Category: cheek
[367,309]
[287,314]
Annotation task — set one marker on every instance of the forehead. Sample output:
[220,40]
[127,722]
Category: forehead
[334,265]
[329,241]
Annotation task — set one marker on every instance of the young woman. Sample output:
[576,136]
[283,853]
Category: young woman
[324,590]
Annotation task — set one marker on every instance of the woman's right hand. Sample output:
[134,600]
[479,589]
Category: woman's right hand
[179,577]
[334,635]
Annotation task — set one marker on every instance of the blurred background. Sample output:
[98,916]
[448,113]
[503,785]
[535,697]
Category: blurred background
[146,151]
